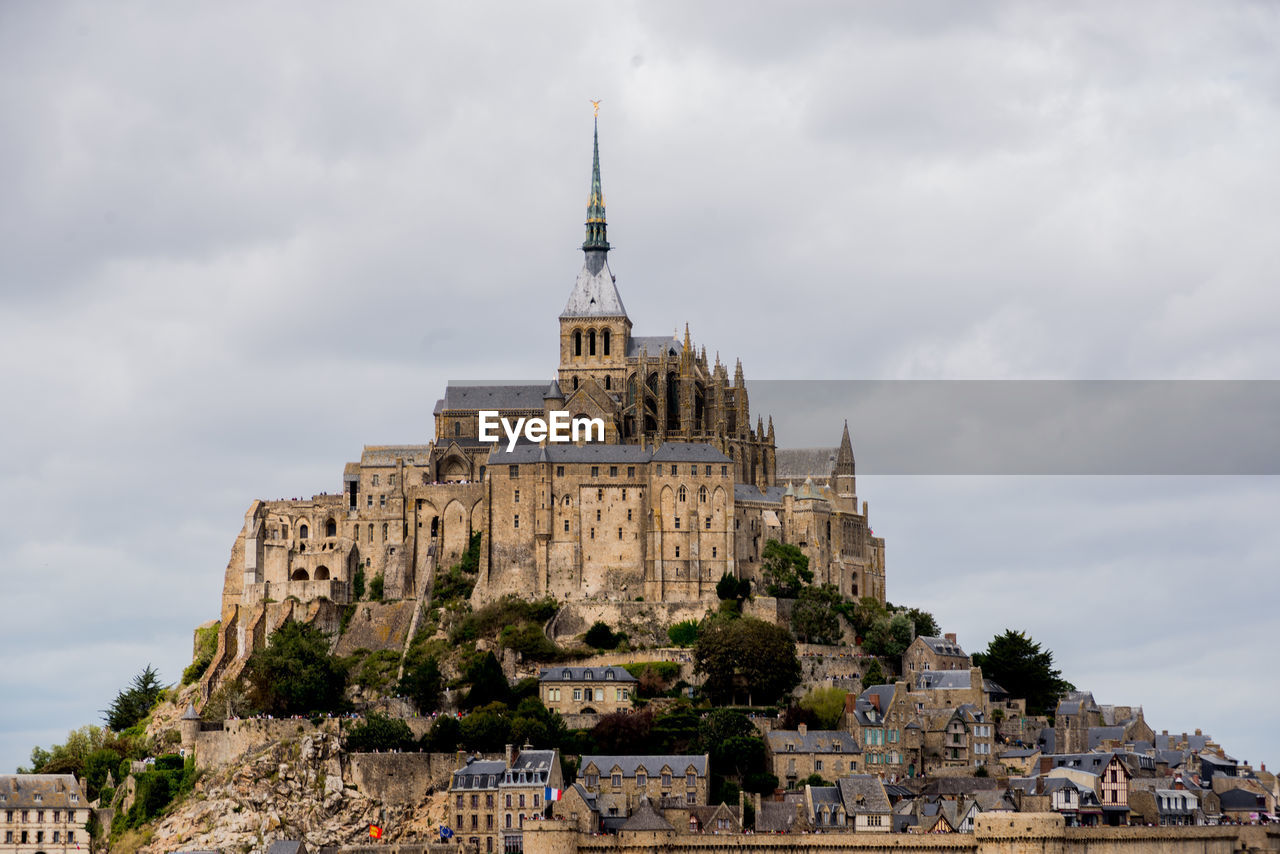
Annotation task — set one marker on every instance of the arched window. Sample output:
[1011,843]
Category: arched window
[384,530]
[702,495]
[683,494]
[607,380]
[435,525]
[606,336]
[302,532]
[575,383]
[577,342]
[322,573]
[591,343]
[331,528]
[566,501]
[371,532]
[457,428]
[299,575]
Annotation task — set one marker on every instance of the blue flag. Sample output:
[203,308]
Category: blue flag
[445,832]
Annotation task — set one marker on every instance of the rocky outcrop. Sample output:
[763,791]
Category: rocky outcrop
[293,789]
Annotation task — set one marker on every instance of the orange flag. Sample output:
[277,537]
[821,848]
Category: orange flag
[375,831]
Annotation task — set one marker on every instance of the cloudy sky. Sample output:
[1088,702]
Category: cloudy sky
[237,243]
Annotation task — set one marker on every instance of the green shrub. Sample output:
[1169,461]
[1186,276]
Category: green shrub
[601,636]
[379,733]
[684,633]
[206,645]
[357,584]
[375,588]
[529,640]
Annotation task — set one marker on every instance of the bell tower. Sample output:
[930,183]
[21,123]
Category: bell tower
[594,328]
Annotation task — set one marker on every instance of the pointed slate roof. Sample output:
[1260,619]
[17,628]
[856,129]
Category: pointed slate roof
[646,818]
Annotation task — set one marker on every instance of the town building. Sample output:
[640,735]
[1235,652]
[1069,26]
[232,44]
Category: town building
[798,754]
[618,783]
[491,800]
[586,690]
[42,813]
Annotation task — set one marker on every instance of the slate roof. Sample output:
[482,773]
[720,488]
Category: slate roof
[813,741]
[1021,753]
[947,680]
[479,774]
[864,711]
[775,817]
[1091,762]
[653,764]
[799,463]
[862,794]
[505,397]
[600,452]
[652,345]
[749,492]
[579,674]
[1099,734]
[1072,703]
[942,646]
[645,817]
[688,452]
[287,846]
[594,294]
[534,760]
[55,791]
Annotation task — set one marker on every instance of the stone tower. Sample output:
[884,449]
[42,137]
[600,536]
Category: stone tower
[594,328]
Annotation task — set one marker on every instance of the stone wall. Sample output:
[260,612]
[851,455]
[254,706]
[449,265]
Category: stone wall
[995,833]
[219,746]
[398,777]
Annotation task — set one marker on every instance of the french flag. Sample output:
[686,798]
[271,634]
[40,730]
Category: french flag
[550,794]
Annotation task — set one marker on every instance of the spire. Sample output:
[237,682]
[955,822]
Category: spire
[688,343]
[596,226]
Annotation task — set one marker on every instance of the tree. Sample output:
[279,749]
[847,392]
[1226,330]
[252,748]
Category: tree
[827,705]
[295,674]
[444,736]
[488,683]
[379,733]
[874,675]
[731,587]
[684,633]
[925,624]
[747,657]
[601,636]
[622,732]
[487,729]
[421,683]
[1024,670]
[134,703]
[888,637]
[814,618]
[674,731]
[533,723]
[785,568]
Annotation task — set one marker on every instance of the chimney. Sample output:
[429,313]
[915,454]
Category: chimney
[802,728]
[510,754]
[1198,732]
[951,637]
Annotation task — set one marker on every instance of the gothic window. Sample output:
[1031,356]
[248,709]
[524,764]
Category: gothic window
[331,528]
[577,345]
[575,383]
[371,532]
[302,531]
[457,428]
[702,495]
[606,352]
[683,493]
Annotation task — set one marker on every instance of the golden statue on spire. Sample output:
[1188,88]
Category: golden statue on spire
[595,105]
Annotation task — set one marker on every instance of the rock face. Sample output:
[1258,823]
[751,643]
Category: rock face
[293,789]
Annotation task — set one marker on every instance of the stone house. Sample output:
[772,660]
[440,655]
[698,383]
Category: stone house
[1075,796]
[490,800]
[586,690]
[928,653]
[42,812]
[619,782]
[957,738]
[797,754]
[1021,762]
[866,804]
[885,723]
[1158,802]
[578,807]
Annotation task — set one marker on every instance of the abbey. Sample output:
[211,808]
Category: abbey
[682,490]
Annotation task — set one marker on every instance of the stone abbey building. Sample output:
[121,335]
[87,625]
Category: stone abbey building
[683,490]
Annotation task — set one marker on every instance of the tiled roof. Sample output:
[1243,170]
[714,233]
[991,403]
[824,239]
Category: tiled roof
[646,817]
[579,674]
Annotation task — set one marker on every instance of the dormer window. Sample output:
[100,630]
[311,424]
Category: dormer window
[588,675]
[608,674]
[566,674]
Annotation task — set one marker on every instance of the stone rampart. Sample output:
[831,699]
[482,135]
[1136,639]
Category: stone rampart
[217,745]
[995,833]
[398,777]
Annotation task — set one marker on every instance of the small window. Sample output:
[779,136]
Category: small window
[631,471]
[708,471]
[593,533]
[559,471]
[513,472]
[713,551]
[682,494]
[674,470]
[391,480]
[369,503]
[382,501]
[619,533]
[515,521]
[677,554]
[599,495]
[597,515]
[708,525]
[628,514]
[613,471]
[516,497]
[566,525]
[375,480]
[595,471]
[702,495]
[616,781]
[724,471]
[693,470]
[457,428]
[677,523]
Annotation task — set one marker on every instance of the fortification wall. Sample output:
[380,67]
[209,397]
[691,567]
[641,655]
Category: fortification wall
[995,833]
[644,622]
[377,625]
[398,777]
[236,737]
